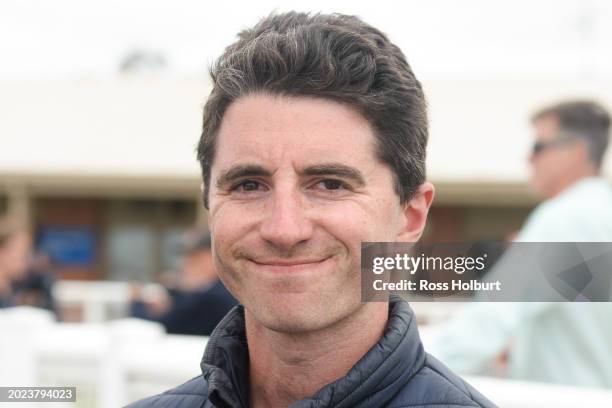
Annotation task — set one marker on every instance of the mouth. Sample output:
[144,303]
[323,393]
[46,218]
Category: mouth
[289,266]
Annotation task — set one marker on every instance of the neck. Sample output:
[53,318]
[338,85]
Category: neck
[572,179]
[286,367]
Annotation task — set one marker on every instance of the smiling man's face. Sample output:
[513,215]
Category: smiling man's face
[296,187]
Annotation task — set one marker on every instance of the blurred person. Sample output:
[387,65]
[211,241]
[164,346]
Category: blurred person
[566,343]
[15,244]
[314,141]
[571,139]
[198,300]
[35,287]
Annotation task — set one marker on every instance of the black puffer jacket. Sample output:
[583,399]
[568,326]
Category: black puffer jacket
[395,373]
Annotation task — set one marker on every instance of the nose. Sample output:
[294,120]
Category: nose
[287,223]
[532,155]
[531,158]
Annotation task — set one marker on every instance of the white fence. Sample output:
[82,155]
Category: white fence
[98,301]
[110,363]
[116,362]
[522,394]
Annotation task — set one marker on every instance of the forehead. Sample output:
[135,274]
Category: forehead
[546,126]
[299,129]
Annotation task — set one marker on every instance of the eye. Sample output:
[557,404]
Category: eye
[332,184]
[247,185]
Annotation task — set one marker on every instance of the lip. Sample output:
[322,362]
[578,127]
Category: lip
[289,266]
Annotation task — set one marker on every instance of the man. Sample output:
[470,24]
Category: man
[314,141]
[565,343]
[199,301]
[15,246]
[571,140]
[35,288]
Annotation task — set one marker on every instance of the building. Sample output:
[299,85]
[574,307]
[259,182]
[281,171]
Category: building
[105,170]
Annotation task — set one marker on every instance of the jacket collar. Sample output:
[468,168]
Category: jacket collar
[372,381]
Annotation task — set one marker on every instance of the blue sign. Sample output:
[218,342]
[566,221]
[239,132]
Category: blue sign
[68,245]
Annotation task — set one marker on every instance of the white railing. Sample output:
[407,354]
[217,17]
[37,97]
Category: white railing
[98,301]
[523,394]
[110,364]
[117,362]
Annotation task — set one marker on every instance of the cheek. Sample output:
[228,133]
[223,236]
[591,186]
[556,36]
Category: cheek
[224,232]
[225,269]
[542,165]
[227,224]
[536,166]
[556,165]
[356,223]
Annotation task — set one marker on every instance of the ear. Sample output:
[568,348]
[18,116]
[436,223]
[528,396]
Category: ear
[415,213]
[583,153]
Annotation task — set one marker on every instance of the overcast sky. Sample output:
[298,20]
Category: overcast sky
[456,39]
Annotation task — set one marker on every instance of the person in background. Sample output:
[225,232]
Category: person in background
[35,287]
[15,244]
[565,343]
[198,301]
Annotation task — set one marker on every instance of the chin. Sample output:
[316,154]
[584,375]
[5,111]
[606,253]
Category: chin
[291,322]
[296,317]
[295,326]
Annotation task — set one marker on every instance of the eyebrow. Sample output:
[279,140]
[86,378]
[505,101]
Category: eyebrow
[324,169]
[338,170]
[237,172]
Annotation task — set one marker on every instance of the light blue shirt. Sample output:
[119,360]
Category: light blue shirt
[569,343]
[581,213]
